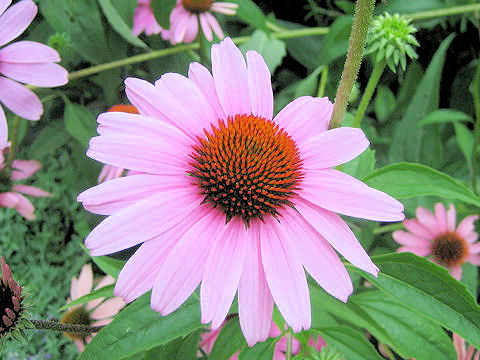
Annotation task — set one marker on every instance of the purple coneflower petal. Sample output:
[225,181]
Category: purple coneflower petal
[16,19]
[259,86]
[20,100]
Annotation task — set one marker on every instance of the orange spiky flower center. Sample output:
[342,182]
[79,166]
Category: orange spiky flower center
[197,6]
[247,167]
[449,249]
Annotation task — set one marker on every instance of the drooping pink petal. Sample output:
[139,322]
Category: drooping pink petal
[474,259]
[259,86]
[451,218]
[38,74]
[183,269]
[231,78]
[305,117]
[417,229]
[192,29]
[222,272]
[285,275]
[441,216]
[28,52]
[474,248]
[85,281]
[317,256]
[456,272]
[153,216]
[337,233]
[112,196]
[179,26]
[23,169]
[30,190]
[108,309]
[214,25]
[16,19]
[80,345]
[428,220]
[255,303]
[204,81]
[206,29]
[4,4]
[466,227]
[341,193]
[333,147]
[18,202]
[409,239]
[472,237]
[20,100]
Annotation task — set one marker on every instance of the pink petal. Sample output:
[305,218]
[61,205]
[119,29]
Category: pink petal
[214,25]
[206,29]
[18,202]
[204,81]
[474,259]
[255,303]
[110,172]
[408,239]
[451,218]
[23,169]
[4,4]
[28,52]
[305,117]
[19,99]
[41,74]
[285,275]
[466,227]
[337,233]
[339,192]
[153,216]
[144,96]
[474,248]
[231,78]
[85,281]
[428,220]
[30,190]
[456,272]
[420,251]
[16,19]
[104,281]
[108,309]
[441,216]
[192,29]
[179,26]
[319,259]
[222,272]
[80,345]
[417,229]
[259,86]
[115,195]
[3,132]
[224,8]
[165,155]
[333,147]
[472,237]
[183,268]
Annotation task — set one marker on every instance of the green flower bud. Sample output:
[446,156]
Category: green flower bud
[61,42]
[390,38]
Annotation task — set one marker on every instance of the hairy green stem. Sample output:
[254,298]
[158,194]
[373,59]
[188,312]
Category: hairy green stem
[455,10]
[288,355]
[69,328]
[363,14]
[476,131]
[369,91]
[13,141]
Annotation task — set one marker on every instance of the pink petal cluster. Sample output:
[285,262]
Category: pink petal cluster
[464,353]
[187,242]
[101,311]
[427,228]
[184,23]
[12,197]
[24,61]
[144,20]
[207,341]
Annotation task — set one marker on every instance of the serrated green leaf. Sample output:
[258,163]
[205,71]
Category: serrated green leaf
[106,291]
[161,10]
[272,50]
[406,180]
[444,116]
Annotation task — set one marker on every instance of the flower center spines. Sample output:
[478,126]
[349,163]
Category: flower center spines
[449,249]
[197,6]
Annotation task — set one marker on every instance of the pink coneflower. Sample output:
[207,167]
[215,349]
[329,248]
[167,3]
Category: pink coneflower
[11,193]
[96,312]
[144,20]
[110,172]
[464,353]
[207,341]
[187,14]
[230,197]
[436,235]
[24,61]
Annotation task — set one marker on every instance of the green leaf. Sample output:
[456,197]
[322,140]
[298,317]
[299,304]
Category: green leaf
[249,12]
[384,102]
[361,166]
[406,180]
[309,85]
[261,351]
[336,41]
[444,116]
[116,21]
[106,291]
[406,144]
[465,141]
[273,50]
[415,336]
[430,290]
[79,122]
[109,265]
[470,277]
[161,10]
[126,9]
[349,342]
[229,341]
[50,139]
[137,327]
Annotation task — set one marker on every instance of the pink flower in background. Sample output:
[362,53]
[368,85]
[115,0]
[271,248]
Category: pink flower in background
[11,193]
[96,312]
[437,235]
[144,20]
[230,196]
[462,352]
[187,14]
[24,61]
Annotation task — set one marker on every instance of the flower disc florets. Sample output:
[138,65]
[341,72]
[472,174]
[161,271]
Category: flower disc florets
[391,39]
[197,6]
[449,249]
[76,316]
[11,302]
[248,167]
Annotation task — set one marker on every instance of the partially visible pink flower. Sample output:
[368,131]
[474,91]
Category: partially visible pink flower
[187,14]
[144,20]
[11,193]
[96,312]
[462,352]
[207,341]
[24,61]
[437,235]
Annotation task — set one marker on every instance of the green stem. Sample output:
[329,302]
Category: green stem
[70,328]
[13,141]
[323,82]
[387,228]
[369,91]
[288,355]
[455,10]
[476,131]
[363,14]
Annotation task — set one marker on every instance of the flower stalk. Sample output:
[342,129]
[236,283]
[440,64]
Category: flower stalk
[13,141]
[54,325]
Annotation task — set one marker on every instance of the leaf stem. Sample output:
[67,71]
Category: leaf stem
[13,141]
[387,228]
[70,328]
[288,355]
[358,35]
[455,10]
[369,91]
